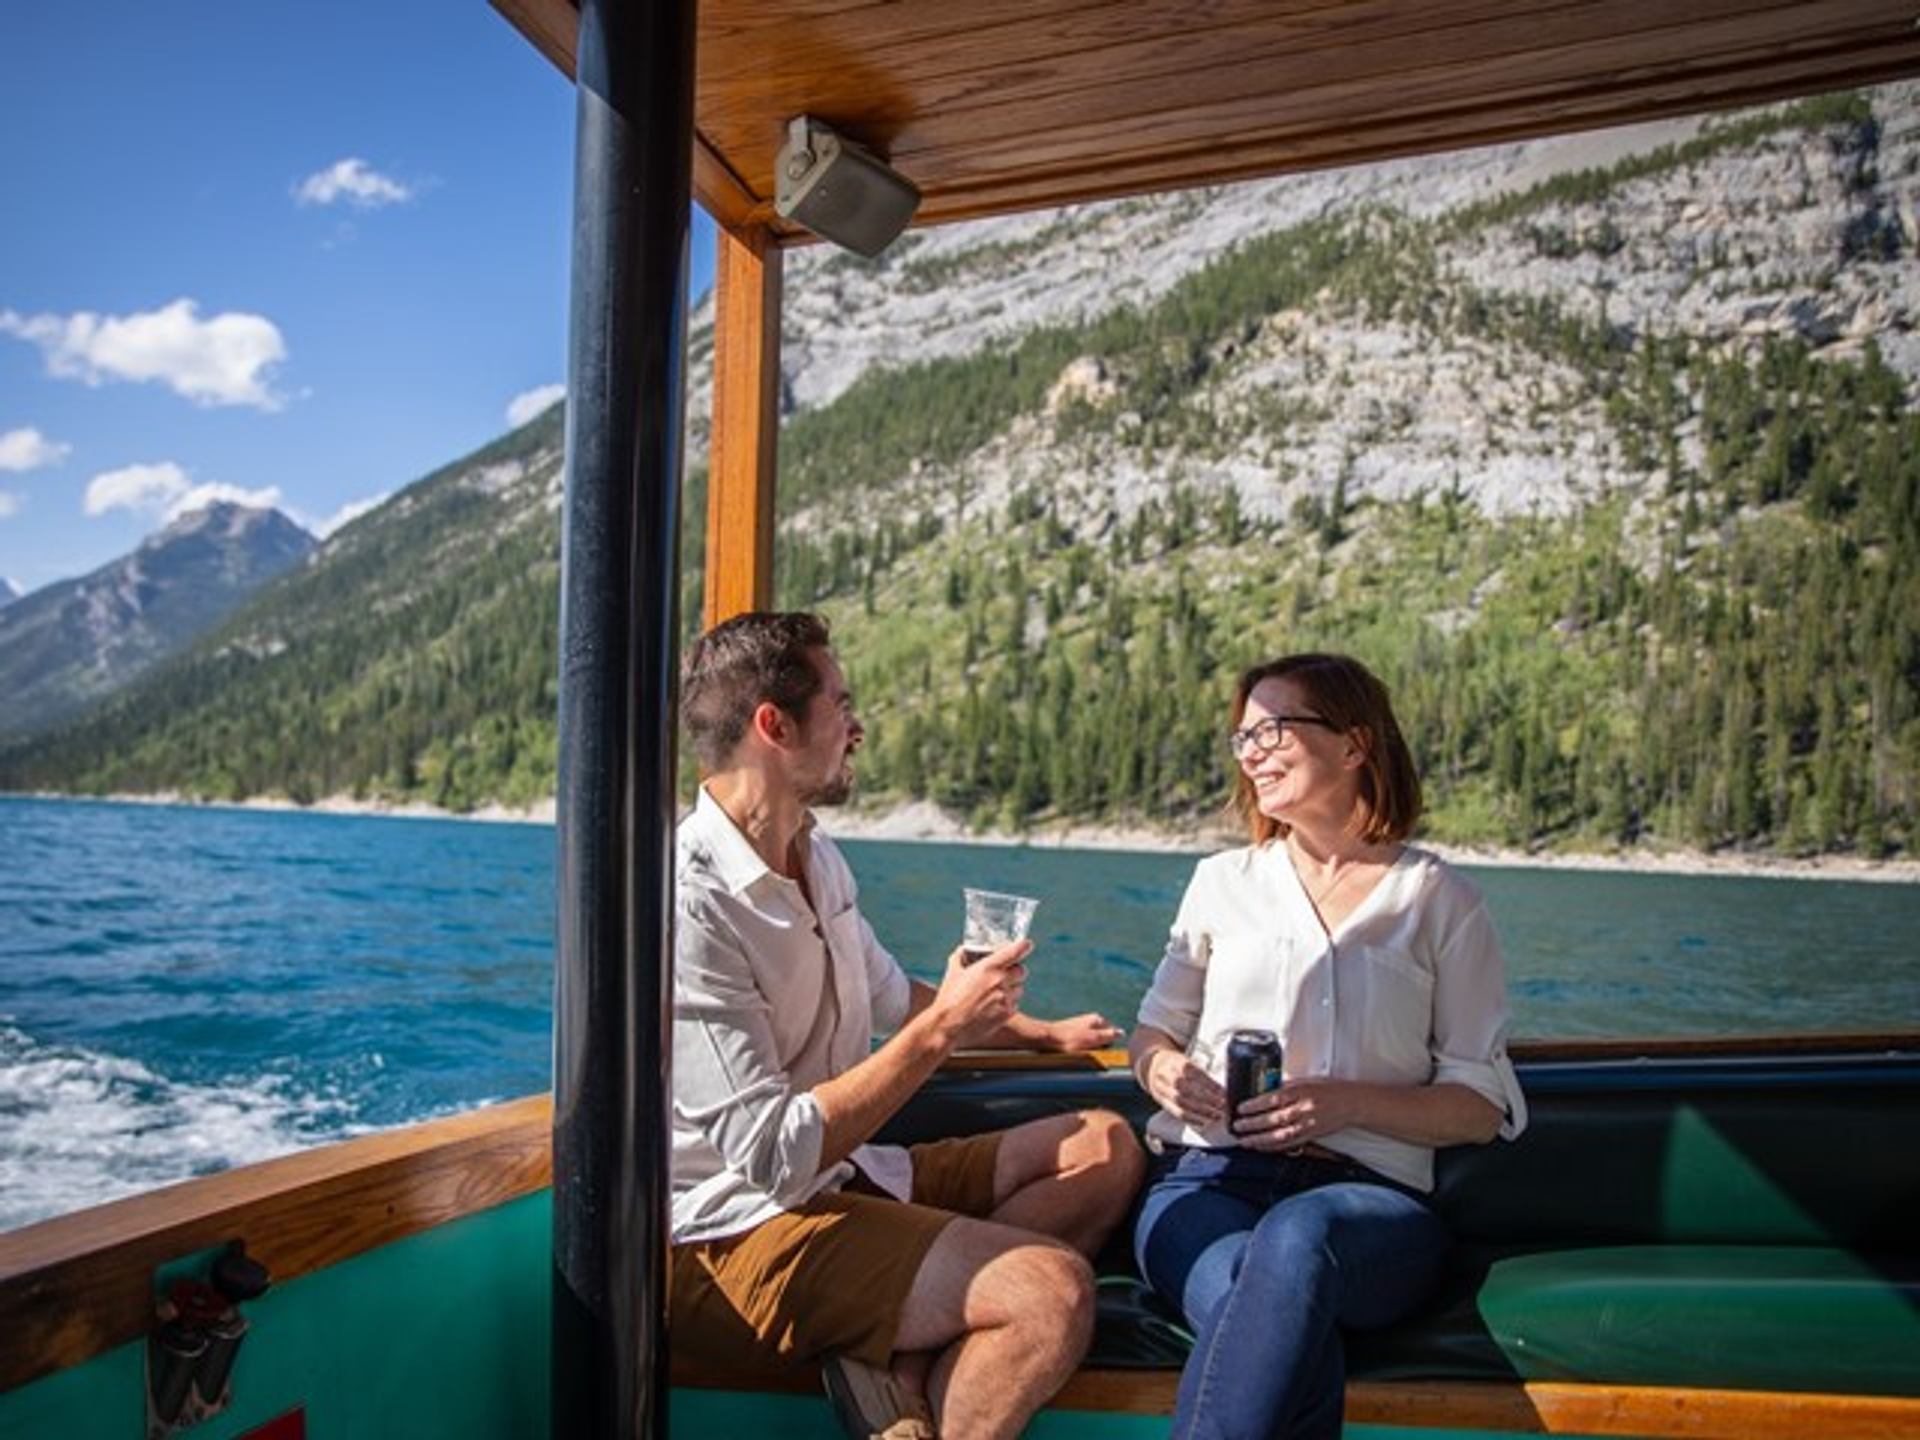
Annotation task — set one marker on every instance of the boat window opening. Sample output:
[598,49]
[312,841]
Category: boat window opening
[1598,447]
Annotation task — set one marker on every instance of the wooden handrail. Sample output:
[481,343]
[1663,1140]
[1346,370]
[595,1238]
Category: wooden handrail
[75,1286]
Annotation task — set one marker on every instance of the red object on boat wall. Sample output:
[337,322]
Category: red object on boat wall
[290,1426]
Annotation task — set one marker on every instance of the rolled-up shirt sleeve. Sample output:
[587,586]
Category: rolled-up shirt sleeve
[888,988]
[727,1080]
[1470,1019]
[1172,1003]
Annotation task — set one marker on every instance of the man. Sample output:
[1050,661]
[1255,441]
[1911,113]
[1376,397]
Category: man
[948,1284]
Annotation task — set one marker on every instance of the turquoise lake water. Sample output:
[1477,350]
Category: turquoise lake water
[185,989]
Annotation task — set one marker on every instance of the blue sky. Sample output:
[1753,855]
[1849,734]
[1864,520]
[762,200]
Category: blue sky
[313,249]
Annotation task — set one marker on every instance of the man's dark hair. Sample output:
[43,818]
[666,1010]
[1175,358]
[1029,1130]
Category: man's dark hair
[760,657]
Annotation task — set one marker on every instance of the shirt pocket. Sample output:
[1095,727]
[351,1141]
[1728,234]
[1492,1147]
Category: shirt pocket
[1250,986]
[1395,1008]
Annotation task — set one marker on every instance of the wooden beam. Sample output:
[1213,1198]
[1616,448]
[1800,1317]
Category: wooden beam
[746,424]
[78,1285]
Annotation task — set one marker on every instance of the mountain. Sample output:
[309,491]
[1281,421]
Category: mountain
[9,592]
[1604,451]
[68,644]
[412,654]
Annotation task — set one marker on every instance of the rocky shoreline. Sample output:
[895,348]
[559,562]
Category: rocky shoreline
[922,821]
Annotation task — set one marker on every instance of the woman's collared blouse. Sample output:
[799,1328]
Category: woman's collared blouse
[1408,990]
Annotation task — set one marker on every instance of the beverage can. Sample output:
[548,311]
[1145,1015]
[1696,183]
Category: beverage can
[1253,1067]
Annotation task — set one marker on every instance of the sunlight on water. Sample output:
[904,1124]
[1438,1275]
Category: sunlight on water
[182,990]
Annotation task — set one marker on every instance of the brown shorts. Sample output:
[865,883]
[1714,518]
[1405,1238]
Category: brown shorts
[830,1275]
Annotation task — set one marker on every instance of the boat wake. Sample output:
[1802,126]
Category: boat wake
[79,1128]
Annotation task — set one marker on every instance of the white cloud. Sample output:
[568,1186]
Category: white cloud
[345,515]
[267,497]
[168,491]
[354,181]
[222,360]
[529,403]
[10,504]
[136,487]
[28,449]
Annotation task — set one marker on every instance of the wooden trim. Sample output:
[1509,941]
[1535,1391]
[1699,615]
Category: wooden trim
[78,1285]
[1556,1408]
[722,193]
[1528,1408]
[553,28]
[746,425]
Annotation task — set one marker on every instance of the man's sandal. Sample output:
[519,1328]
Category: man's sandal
[870,1403]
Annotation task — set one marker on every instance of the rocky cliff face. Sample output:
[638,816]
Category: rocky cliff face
[69,644]
[1722,230]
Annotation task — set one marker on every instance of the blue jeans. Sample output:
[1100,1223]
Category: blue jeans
[1268,1256]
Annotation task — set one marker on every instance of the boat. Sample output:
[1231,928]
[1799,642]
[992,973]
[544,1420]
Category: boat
[1695,1238]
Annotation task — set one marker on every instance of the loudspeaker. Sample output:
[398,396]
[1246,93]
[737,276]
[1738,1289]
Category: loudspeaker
[840,191]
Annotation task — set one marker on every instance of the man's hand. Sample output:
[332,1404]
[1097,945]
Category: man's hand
[975,1000]
[1298,1112]
[1183,1089]
[1082,1032]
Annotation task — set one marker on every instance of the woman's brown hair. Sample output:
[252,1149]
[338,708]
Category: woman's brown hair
[1348,696]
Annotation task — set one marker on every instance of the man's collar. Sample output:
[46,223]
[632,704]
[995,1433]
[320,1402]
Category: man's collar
[738,863]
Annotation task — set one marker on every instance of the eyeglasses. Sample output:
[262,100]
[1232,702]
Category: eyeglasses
[1270,733]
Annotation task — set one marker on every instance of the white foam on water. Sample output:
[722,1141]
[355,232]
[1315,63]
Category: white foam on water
[78,1128]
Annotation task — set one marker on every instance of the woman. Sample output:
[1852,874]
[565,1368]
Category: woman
[1377,967]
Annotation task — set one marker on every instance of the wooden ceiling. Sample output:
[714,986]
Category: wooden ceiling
[996,105]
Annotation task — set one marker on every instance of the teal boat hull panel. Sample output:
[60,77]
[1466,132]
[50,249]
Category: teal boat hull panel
[432,1338]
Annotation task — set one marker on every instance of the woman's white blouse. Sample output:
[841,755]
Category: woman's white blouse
[1408,990]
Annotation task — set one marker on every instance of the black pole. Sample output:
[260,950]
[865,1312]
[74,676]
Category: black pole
[618,655]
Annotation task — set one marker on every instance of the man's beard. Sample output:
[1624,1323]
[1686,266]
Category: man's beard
[834,790]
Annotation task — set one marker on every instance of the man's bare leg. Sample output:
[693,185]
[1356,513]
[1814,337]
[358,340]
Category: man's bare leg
[1072,1177]
[1009,1314]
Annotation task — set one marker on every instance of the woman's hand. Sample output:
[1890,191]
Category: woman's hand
[1183,1089]
[1298,1113]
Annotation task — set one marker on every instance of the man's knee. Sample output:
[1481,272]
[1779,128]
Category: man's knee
[1062,1289]
[1105,1141]
[1125,1154]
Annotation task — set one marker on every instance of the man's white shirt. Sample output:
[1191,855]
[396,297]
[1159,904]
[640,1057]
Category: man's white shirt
[771,997]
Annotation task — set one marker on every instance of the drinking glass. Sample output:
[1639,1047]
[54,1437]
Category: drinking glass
[993,920]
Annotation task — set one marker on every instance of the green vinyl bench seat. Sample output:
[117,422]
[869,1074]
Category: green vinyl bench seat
[1733,1224]
[1713,1316]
